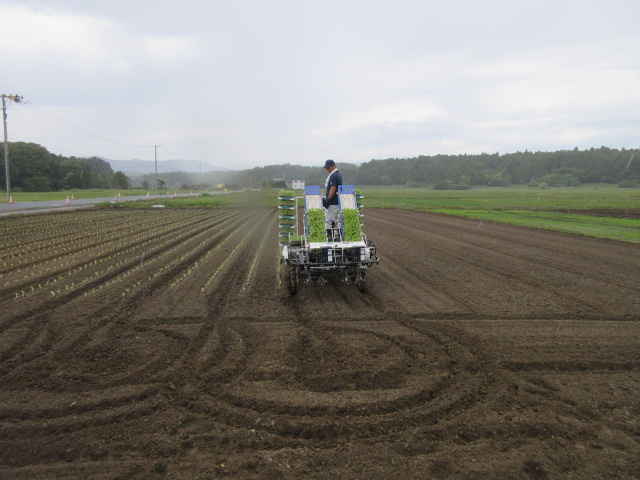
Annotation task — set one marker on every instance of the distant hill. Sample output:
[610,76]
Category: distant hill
[141,167]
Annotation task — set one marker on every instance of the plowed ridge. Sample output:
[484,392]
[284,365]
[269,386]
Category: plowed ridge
[159,344]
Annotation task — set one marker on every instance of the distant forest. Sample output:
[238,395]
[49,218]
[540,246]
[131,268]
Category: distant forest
[33,168]
[562,168]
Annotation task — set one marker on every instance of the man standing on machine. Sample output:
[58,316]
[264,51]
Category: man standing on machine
[330,202]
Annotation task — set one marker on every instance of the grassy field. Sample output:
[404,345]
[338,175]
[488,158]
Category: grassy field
[583,210]
[624,229]
[590,197]
[257,199]
[94,193]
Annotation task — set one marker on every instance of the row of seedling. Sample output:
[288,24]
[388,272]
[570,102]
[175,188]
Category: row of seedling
[227,259]
[145,251]
[100,231]
[255,259]
[168,253]
[86,226]
[148,247]
[191,252]
[202,259]
[81,235]
[69,227]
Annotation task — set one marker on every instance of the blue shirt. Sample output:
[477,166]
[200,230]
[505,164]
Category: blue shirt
[335,180]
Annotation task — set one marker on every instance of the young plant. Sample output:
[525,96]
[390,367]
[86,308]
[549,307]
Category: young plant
[287,199]
[315,223]
[351,222]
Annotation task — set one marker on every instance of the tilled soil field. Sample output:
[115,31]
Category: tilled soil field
[159,344]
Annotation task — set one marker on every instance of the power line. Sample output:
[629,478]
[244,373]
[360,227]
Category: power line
[172,153]
[66,124]
[16,138]
[55,119]
[80,155]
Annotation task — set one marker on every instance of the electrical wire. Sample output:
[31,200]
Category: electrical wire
[79,155]
[172,153]
[59,121]
[55,119]
[16,138]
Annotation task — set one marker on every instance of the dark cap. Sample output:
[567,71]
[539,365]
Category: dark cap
[329,163]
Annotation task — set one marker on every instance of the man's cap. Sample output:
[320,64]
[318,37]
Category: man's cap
[329,163]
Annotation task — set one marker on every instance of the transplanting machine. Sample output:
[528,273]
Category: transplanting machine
[342,250]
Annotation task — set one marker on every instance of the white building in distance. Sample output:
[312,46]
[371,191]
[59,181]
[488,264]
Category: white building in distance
[297,184]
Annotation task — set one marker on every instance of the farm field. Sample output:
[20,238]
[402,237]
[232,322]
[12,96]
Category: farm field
[158,343]
[603,211]
[586,198]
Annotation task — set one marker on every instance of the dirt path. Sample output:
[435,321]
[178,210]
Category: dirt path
[480,350]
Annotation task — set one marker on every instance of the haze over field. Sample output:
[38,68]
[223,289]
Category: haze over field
[248,83]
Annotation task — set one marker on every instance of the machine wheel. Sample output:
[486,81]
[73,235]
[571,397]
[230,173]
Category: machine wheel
[292,279]
[360,283]
[289,279]
[352,275]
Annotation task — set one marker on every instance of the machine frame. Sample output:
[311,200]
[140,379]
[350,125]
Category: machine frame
[311,261]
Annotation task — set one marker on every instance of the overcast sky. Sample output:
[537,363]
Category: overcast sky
[244,83]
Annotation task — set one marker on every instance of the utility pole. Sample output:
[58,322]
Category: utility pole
[155,147]
[17,99]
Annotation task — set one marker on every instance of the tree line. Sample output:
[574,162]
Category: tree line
[33,168]
[560,168]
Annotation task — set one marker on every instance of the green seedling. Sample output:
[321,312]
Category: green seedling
[351,221]
[315,219]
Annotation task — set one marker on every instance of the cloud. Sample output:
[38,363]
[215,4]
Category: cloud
[162,50]
[394,113]
[76,52]
[39,33]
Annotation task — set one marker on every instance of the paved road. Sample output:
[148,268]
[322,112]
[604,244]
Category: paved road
[60,205]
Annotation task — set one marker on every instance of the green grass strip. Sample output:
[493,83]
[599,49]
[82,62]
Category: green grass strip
[587,197]
[627,230]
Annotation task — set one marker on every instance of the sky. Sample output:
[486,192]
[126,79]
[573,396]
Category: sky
[248,83]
